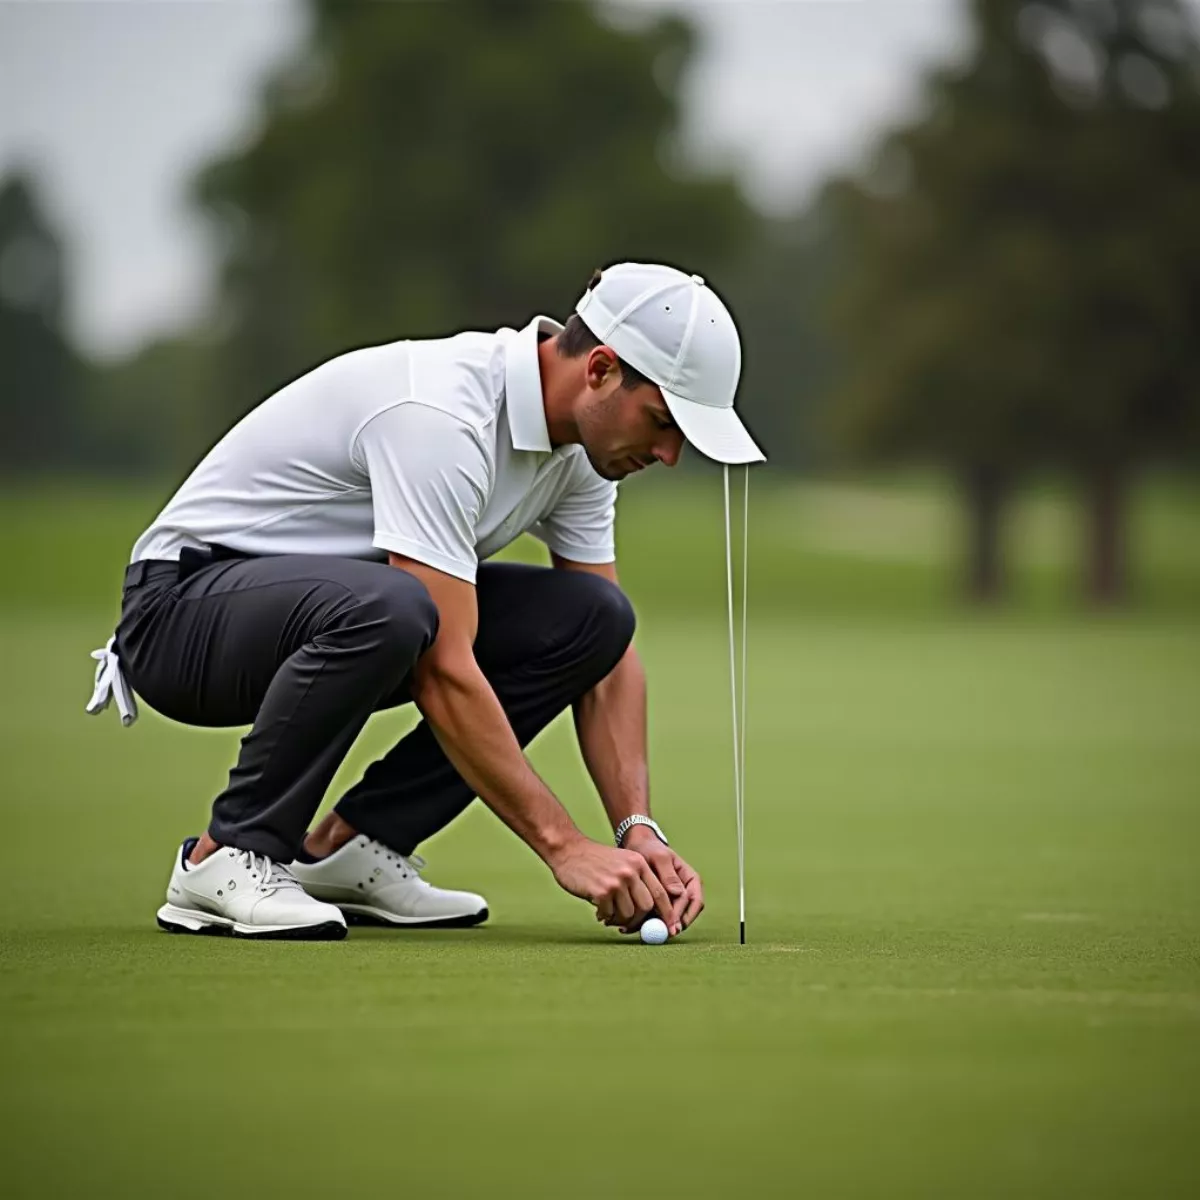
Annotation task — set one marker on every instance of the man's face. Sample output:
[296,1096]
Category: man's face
[624,430]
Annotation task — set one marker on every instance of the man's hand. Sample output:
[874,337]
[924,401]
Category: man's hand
[682,884]
[619,883]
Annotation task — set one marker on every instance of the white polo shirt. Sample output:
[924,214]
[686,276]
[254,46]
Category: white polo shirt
[437,450]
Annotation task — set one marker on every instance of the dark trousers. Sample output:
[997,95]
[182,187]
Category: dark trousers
[304,648]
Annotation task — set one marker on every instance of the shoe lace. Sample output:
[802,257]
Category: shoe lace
[410,864]
[271,876]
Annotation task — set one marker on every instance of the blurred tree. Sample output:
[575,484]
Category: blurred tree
[427,167]
[778,292]
[39,392]
[1028,264]
[153,412]
[1129,72]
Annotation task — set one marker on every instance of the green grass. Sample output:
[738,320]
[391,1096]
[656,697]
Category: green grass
[974,966]
[871,548]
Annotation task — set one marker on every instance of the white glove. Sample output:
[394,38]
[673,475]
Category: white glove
[111,682]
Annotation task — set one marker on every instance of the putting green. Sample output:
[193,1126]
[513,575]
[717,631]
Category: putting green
[974,915]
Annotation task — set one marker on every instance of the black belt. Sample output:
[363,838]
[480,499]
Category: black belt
[151,570]
[168,570]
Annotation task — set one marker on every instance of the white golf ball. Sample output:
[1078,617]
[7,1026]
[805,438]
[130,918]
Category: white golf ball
[654,931]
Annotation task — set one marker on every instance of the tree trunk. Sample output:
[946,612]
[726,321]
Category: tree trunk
[1106,578]
[986,491]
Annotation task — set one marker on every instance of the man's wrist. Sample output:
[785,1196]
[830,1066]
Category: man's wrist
[635,825]
[553,840]
[640,837]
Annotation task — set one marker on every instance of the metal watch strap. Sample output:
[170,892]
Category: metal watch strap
[638,819]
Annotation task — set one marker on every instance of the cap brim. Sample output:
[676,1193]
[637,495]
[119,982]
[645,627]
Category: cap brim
[717,433]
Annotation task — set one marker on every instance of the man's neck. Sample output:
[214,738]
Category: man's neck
[560,385]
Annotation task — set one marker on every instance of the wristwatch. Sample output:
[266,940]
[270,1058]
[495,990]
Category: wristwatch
[638,819]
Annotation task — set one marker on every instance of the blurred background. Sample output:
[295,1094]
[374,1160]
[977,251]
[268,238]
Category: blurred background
[960,237]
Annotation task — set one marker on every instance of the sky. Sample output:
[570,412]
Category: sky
[115,102]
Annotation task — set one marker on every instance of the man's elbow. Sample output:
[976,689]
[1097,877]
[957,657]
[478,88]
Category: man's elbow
[442,672]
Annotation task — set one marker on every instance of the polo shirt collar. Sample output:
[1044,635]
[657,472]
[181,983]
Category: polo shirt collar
[523,387]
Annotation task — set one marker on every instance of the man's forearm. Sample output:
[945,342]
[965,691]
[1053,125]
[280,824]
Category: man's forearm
[610,721]
[473,730]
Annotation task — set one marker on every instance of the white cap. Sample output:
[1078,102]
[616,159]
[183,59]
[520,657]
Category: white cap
[674,329]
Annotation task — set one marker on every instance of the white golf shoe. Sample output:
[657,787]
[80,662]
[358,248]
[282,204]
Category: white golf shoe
[373,885]
[247,895]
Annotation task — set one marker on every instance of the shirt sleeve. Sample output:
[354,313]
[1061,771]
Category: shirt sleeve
[430,479]
[581,525]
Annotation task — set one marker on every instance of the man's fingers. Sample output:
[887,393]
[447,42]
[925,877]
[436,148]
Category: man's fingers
[695,901]
[658,893]
[684,907]
[624,907]
[641,900]
[670,880]
[641,897]
[675,888]
[604,909]
[661,884]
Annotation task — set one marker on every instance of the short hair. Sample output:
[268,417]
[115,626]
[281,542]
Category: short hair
[577,339]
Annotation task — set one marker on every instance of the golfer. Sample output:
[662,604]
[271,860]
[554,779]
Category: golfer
[328,559]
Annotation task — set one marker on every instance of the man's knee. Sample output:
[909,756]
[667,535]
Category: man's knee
[610,612]
[396,614]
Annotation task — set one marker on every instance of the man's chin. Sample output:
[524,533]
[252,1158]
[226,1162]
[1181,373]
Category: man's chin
[614,472]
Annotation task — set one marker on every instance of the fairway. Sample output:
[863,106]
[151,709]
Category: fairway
[974,923]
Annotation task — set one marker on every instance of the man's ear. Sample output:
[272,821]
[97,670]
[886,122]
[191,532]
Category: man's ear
[602,366]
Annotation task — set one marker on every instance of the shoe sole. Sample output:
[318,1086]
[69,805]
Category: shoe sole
[362,914]
[185,920]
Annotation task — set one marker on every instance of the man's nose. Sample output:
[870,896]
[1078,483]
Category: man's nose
[668,451]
